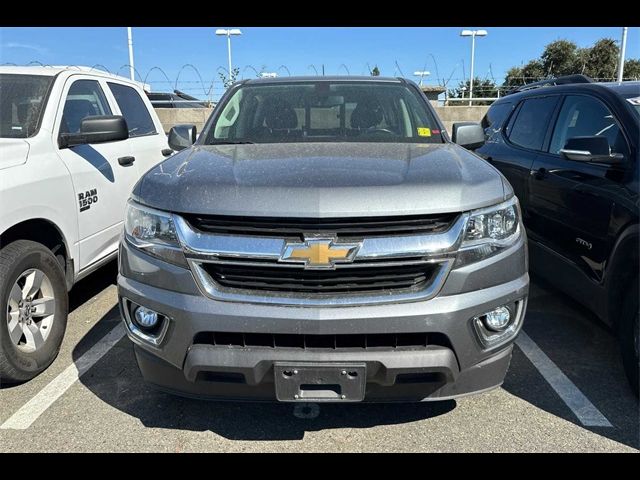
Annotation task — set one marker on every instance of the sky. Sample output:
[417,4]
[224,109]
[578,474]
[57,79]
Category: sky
[174,51]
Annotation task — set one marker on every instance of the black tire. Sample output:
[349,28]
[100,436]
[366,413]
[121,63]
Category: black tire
[17,257]
[629,341]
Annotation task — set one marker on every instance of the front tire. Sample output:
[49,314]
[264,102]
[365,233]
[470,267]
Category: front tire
[629,338]
[33,310]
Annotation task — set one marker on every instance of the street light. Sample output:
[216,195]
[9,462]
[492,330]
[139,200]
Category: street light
[228,32]
[473,34]
[421,74]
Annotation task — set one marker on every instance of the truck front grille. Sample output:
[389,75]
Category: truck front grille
[296,279]
[396,259]
[342,227]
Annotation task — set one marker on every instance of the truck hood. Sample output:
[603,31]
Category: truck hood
[14,152]
[321,180]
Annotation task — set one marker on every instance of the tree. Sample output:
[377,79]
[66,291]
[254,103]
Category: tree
[563,57]
[481,88]
[375,72]
[632,69]
[558,58]
[602,60]
[580,61]
[518,76]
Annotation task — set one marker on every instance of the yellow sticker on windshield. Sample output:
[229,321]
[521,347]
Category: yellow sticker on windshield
[424,132]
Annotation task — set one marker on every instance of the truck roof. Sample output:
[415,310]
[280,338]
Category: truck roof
[51,70]
[328,78]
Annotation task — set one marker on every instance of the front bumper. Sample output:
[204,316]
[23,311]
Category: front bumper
[456,367]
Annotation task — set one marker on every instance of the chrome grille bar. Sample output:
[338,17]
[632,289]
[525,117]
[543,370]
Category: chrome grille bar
[199,245]
[435,249]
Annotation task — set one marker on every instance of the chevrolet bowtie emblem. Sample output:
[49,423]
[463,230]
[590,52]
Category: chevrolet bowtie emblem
[319,252]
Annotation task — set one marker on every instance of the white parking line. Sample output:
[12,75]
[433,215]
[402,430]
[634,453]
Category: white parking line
[586,412]
[35,407]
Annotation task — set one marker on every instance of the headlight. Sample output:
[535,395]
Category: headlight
[154,232]
[490,230]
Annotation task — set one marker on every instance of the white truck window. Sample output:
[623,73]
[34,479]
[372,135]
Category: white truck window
[134,110]
[85,99]
[22,101]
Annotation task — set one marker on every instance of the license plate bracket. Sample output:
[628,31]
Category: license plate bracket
[320,382]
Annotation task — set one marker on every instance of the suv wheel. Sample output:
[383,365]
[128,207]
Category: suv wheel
[33,310]
[630,339]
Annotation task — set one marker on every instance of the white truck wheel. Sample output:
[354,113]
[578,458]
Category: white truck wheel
[33,310]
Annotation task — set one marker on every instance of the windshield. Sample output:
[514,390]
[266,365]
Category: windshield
[323,111]
[22,99]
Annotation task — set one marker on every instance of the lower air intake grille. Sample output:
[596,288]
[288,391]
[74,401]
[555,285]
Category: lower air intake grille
[323,342]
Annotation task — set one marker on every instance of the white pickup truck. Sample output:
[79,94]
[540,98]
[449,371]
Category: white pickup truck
[73,143]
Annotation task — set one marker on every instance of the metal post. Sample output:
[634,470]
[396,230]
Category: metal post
[473,52]
[623,47]
[130,42]
[229,51]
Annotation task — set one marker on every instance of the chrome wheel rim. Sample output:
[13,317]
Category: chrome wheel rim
[30,310]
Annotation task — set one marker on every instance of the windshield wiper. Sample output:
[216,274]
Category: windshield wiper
[232,142]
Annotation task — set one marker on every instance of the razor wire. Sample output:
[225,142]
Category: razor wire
[189,79]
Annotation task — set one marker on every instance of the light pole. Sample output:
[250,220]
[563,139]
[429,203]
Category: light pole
[473,34]
[130,43]
[421,74]
[228,32]
[623,47]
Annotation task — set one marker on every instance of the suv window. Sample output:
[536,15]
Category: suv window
[494,118]
[582,116]
[133,109]
[85,99]
[530,125]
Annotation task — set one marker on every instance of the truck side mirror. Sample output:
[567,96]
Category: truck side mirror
[182,136]
[468,135]
[96,129]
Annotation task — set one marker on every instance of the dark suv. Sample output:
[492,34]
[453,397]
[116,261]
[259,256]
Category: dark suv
[570,151]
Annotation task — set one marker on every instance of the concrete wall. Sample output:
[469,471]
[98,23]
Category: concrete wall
[198,116]
[173,116]
[450,115]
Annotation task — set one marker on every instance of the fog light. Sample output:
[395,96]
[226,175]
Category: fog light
[499,326]
[497,319]
[146,318]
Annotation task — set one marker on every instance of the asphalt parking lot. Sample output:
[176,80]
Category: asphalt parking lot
[565,391]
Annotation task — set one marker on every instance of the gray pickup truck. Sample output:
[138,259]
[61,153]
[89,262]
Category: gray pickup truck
[323,240]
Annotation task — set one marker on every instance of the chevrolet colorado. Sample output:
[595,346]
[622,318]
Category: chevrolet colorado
[323,240]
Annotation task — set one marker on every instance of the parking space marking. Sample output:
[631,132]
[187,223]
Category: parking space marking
[579,404]
[30,411]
